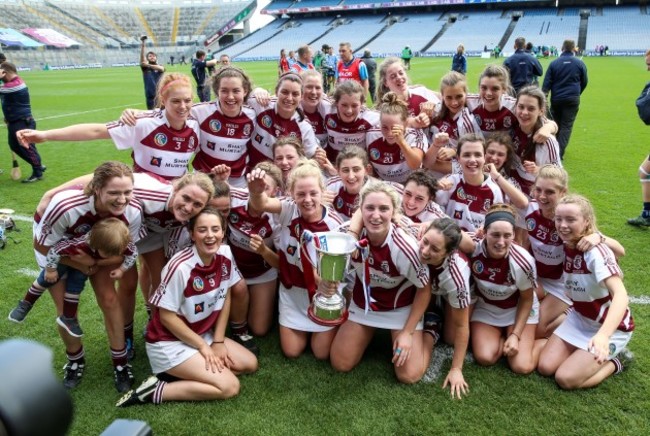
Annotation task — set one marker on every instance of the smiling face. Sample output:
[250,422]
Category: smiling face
[313,93]
[528,111]
[387,124]
[570,222]
[348,107]
[396,79]
[231,95]
[496,154]
[415,198]
[498,238]
[454,97]
[432,248]
[547,193]
[377,211]
[286,157]
[114,196]
[472,159]
[178,102]
[353,174]
[491,90]
[207,235]
[289,96]
[187,202]
[307,194]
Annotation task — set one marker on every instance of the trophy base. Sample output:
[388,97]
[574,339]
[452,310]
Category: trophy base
[327,322]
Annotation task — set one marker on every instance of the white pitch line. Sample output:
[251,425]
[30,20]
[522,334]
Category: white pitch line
[23,218]
[643,299]
[29,272]
[72,114]
[441,354]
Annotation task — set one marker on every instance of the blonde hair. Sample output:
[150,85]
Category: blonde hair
[382,89]
[169,81]
[305,168]
[203,181]
[378,186]
[586,209]
[306,74]
[110,235]
[391,104]
[273,171]
[555,173]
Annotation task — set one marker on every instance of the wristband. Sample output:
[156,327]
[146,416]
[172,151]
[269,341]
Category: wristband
[516,336]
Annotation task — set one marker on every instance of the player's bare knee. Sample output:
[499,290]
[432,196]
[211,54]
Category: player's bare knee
[484,358]
[230,389]
[566,381]
[409,377]
[545,369]
[522,368]
[340,364]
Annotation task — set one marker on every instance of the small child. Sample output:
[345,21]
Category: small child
[107,238]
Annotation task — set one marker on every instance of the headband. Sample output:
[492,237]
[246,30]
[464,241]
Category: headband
[173,82]
[500,215]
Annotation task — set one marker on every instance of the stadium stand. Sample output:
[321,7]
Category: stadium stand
[474,30]
[621,28]
[545,27]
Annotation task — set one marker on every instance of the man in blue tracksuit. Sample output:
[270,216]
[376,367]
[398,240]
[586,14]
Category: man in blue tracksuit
[565,79]
[523,67]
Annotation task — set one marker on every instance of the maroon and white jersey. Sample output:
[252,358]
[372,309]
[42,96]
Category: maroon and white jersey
[546,153]
[452,280]
[467,204]
[157,148]
[584,276]
[71,214]
[242,225]
[223,139]
[270,126]
[500,281]
[395,273]
[194,291]
[70,247]
[430,212]
[455,126]
[288,242]
[545,243]
[419,95]
[155,197]
[317,120]
[340,134]
[387,159]
[503,119]
[344,203]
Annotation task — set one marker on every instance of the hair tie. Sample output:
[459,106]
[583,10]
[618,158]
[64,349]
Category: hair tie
[500,215]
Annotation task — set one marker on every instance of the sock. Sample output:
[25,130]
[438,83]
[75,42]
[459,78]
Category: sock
[646,210]
[70,305]
[158,393]
[76,356]
[239,328]
[128,332]
[618,365]
[34,292]
[119,357]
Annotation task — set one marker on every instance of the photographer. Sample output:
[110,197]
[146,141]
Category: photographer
[151,73]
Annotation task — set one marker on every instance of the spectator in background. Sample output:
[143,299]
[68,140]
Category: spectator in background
[3,58]
[283,63]
[371,66]
[523,67]
[303,63]
[291,59]
[182,62]
[171,60]
[318,60]
[407,54]
[198,72]
[459,61]
[643,106]
[151,73]
[17,112]
[566,79]
[224,60]
[329,68]
[350,67]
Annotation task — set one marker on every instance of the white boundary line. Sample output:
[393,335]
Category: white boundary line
[73,114]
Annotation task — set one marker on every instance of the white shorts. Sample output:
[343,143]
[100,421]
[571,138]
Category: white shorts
[555,288]
[269,276]
[391,319]
[152,242]
[492,315]
[165,355]
[293,306]
[578,330]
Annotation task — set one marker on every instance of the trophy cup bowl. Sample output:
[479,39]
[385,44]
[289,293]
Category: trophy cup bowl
[333,250]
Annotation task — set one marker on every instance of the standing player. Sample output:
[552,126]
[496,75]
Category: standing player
[17,111]
[151,73]
[407,54]
[351,68]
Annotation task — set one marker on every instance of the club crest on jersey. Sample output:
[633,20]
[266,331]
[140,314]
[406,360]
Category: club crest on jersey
[225,271]
[247,130]
[461,193]
[423,272]
[478,267]
[339,203]
[160,139]
[478,119]
[215,125]
[577,262]
[198,284]
[530,224]
[267,121]
[507,122]
[486,204]
[384,266]
[82,229]
[331,123]
[554,236]
[233,218]
[192,142]
[156,161]
[374,154]
[199,308]
[612,348]
[262,233]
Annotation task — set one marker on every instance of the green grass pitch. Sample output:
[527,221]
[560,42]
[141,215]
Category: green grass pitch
[305,396]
